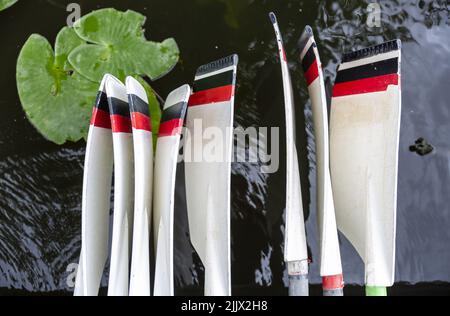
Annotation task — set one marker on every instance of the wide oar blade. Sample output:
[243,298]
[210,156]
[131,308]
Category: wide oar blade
[365,125]
[167,151]
[330,257]
[143,165]
[123,187]
[97,180]
[208,170]
[295,249]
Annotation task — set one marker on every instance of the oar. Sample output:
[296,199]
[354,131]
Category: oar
[123,187]
[167,151]
[365,125]
[330,258]
[208,153]
[97,180]
[143,164]
[295,248]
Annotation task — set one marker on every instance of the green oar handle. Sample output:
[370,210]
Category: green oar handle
[298,285]
[376,291]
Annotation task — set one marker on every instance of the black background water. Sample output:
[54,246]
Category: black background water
[40,183]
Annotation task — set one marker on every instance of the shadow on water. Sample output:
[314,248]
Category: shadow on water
[40,183]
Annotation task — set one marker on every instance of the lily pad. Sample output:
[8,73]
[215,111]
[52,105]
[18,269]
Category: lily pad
[5,4]
[116,44]
[57,100]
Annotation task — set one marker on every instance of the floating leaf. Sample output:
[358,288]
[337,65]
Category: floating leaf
[57,100]
[116,45]
[5,4]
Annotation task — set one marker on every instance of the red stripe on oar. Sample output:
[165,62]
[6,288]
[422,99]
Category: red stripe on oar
[141,121]
[312,73]
[101,119]
[120,124]
[367,85]
[283,53]
[171,128]
[333,282]
[220,94]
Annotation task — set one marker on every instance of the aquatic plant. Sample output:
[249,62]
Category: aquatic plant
[57,88]
[5,4]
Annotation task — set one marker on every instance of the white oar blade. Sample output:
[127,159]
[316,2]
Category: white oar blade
[295,248]
[165,173]
[365,125]
[143,165]
[330,257]
[97,180]
[123,187]
[208,170]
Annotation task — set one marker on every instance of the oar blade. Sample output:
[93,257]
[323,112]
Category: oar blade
[330,257]
[97,180]
[166,159]
[123,187]
[365,125]
[143,166]
[208,170]
[295,247]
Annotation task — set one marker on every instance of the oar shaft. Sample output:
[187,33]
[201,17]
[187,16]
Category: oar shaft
[298,278]
[298,285]
[376,291]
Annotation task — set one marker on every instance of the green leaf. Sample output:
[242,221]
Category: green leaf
[155,109]
[57,100]
[5,4]
[116,45]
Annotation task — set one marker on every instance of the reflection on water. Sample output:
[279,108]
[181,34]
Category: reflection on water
[40,184]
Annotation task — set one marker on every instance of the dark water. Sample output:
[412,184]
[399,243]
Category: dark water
[40,183]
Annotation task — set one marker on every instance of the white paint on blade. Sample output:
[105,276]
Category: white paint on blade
[306,48]
[135,88]
[165,172]
[95,209]
[369,60]
[165,175]
[208,196]
[214,73]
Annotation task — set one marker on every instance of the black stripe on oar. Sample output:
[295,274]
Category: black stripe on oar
[380,68]
[175,112]
[118,107]
[309,58]
[102,101]
[138,105]
[216,81]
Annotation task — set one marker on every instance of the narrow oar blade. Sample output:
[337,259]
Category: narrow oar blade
[123,187]
[365,125]
[143,165]
[97,180]
[208,170]
[330,257]
[166,159]
[295,249]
